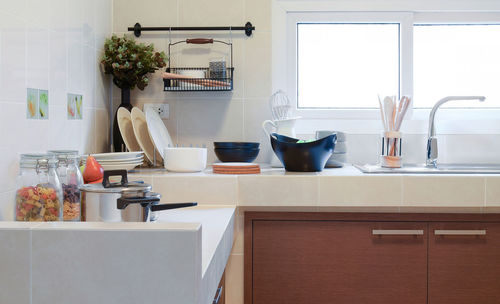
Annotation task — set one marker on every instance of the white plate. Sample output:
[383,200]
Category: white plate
[158,131]
[110,161]
[117,155]
[120,167]
[121,163]
[142,134]
[127,130]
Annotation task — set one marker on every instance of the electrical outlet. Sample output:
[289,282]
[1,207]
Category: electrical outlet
[163,109]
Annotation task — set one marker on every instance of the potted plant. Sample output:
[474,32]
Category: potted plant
[129,63]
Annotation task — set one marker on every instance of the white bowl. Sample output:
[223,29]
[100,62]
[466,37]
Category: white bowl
[185,159]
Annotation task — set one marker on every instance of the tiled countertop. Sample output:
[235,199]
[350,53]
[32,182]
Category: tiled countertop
[344,189]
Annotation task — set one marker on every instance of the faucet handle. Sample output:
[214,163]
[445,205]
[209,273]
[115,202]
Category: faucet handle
[432,152]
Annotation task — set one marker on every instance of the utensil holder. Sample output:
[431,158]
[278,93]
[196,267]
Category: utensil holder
[391,149]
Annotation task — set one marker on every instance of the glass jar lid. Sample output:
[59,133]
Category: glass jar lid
[37,160]
[65,156]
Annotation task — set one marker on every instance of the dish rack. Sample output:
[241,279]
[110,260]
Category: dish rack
[174,80]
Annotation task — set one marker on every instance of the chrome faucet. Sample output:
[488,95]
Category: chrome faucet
[432,148]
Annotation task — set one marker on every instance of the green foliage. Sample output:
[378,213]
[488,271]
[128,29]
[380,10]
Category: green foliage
[130,62]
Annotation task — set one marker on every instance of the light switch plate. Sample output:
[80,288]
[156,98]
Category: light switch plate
[163,109]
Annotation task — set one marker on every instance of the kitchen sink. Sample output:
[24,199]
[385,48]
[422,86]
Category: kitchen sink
[440,169]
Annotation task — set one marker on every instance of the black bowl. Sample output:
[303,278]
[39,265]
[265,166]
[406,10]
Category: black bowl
[303,157]
[236,155]
[236,145]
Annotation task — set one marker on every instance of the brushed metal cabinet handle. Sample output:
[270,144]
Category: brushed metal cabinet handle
[460,232]
[397,232]
[218,296]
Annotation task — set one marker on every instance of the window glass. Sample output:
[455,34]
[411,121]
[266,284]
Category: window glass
[457,59]
[343,65]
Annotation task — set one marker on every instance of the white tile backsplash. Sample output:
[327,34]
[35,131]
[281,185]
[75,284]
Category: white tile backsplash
[54,45]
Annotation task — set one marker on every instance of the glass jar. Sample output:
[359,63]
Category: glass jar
[39,192]
[71,179]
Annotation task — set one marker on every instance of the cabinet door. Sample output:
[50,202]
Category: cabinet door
[464,263]
[339,262]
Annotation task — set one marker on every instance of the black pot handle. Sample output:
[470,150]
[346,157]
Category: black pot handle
[172,206]
[123,202]
[107,173]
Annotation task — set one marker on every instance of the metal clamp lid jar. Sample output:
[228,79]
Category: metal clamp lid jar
[71,179]
[39,192]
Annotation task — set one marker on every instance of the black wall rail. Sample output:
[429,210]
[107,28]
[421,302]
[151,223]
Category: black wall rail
[138,29]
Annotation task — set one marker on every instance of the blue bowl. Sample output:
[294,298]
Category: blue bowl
[303,157]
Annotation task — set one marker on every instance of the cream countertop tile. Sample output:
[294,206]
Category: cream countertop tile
[278,190]
[360,190]
[443,191]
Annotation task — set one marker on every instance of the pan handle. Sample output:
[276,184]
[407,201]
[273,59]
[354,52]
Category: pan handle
[123,202]
[172,206]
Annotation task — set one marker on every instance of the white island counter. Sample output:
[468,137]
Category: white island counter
[179,259]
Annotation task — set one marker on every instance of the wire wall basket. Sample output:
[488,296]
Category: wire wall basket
[216,77]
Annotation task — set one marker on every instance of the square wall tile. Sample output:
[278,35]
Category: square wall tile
[210,13]
[443,191]
[151,13]
[258,65]
[360,190]
[12,60]
[7,206]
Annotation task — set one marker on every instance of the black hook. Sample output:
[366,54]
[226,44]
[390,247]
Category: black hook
[249,28]
[137,29]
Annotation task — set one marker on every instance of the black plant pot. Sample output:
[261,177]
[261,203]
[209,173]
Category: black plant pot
[118,143]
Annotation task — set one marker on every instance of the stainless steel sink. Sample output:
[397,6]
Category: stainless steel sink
[441,169]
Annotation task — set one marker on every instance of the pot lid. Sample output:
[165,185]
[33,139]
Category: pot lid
[124,186]
[129,187]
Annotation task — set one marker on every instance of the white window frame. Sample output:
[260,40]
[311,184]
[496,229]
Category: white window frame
[286,14]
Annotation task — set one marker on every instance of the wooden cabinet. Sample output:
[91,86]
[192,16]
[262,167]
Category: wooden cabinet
[316,262]
[464,263]
[371,258]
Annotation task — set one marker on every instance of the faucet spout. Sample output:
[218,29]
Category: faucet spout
[432,148]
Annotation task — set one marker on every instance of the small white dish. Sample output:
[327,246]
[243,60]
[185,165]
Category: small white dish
[158,131]
[185,159]
[127,130]
[142,134]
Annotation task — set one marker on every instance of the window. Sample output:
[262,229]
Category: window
[341,61]
[334,59]
[456,59]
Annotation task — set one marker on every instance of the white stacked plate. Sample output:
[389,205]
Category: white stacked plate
[120,160]
[339,155]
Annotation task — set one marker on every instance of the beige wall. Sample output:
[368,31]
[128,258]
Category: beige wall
[52,45]
[203,117]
